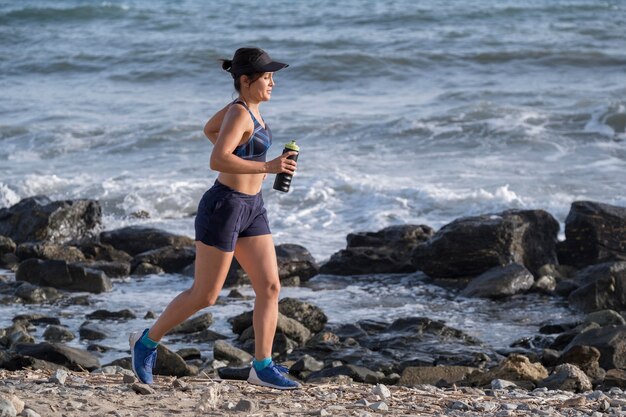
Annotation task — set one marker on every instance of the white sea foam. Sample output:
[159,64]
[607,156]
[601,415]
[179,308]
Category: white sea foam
[8,197]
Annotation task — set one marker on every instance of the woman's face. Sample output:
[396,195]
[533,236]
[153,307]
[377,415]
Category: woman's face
[261,89]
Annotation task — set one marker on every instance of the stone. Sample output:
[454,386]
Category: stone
[311,316]
[38,218]
[18,404]
[609,341]
[515,368]
[33,294]
[112,269]
[386,251]
[37,319]
[306,363]
[124,314]
[615,378]
[29,413]
[431,375]
[60,274]
[189,353]
[7,245]
[601,287]
[470,246]
[502,384]
[223,350]
[382,391]
[142,389]
[195,324]
[546,284]
[72,358]
[605,318]
[49,251]
[129,379]
[170,363]
[246,406]
[59,377]
[136,239]
[91,331]
[97,251]
[285,325]
[145,268]
[567,377]
[379,406]
[55,333]
[594,233]
[234,373]
[295,261]
[500,282]
[6,408]
[181,385]
[171,259]
[357,373]
[586,358]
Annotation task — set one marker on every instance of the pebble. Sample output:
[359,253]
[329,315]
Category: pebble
[142,389]
[509,406]
[381,390]
[502,384]
[244,405]
[379,406]
[17,403]
[6,408]
[458,405]
[486,406]
[129,379]
[29,413]
[322,413]
[363,402]
[59,377]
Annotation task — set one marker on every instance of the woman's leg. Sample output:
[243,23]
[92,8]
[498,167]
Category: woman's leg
[211,268]
[257,256]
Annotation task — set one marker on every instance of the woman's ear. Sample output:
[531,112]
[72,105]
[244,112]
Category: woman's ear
[245,81]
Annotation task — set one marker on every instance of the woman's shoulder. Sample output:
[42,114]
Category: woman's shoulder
[239,114]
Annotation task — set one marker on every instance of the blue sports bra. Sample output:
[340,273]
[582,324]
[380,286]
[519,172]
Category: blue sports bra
[256,147]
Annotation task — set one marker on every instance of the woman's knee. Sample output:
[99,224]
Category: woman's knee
[269,290]
[203,299]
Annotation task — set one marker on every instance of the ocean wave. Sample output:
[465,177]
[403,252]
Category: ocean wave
[81,13]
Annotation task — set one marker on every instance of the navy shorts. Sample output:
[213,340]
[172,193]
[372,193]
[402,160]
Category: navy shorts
[225,214]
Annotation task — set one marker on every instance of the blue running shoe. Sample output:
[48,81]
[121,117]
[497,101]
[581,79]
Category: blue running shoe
[271,376]
[143,358]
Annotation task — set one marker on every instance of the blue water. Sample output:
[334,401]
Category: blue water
[406,112]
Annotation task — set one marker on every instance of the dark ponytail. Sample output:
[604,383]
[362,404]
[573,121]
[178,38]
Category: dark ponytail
[227,64]
[240,60]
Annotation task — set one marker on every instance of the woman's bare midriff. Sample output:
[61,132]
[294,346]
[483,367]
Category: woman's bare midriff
[244,183]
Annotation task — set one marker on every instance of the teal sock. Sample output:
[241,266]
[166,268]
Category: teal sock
[263,363]
[147,342]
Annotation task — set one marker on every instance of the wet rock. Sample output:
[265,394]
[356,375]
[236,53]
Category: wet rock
[553,328]
[60,274]
[357,373]
[432,375]
[311,316]
[145,268]
[546,284]
[566,287]
[295,261]
[605,318]
[601,287]
[225,351]
[586,358]
[32,294]
[38,218]
[7,245]
[306,363]
[280,346]
[189,353]
[470,246]
[500,282]
[91,331]
[610,342]
[285,325]
[136,239]
[74,359]
[550,357]
[15,334]
[112,269]
[386,251]
[56,333]
[594,233]
[516,368]
[204,336]
[567,377]
[323,341]
[562,340]
[124,314]
[9,261]
[195,324]
[96,251]
[171,259]
[49,251]
[149,315]
[170,363]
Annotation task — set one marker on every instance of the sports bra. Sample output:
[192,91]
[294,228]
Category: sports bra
[256,147]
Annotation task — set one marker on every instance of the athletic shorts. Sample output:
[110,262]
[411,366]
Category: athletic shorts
[225,214]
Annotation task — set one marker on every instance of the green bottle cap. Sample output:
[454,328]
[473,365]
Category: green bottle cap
[292,145]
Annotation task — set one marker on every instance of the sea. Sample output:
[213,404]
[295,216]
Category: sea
[406,112]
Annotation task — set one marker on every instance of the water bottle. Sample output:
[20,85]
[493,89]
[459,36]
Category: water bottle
[283,181]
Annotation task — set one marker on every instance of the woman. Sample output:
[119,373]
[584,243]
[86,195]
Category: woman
[231,220]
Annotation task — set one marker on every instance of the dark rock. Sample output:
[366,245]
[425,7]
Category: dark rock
[311,316]
[386,251]
[594,233]
[533,342]
[470,246]
[125,314]
[144,269]
[306,363]
[615,378]
[32,294]
[550,358]
[195,324]
[565,288]
[586,359]
[71,358]
[357,373]
[601,287]
[323,341]
[225,351]
[234,293]
[610,342]
[60,274]
[135,239]
[102,252]
[553,328]
[15,334]
[432,375]
[605,318]
[94,347]
[567,377]
[241,322]
[110,268]
[169,258]
[36,319]
[295,261]
[170,363]
[239,374]
[565,338]
[38,218]
[204,336]
[90,331]
[281,345]
[150,315]
[49,251]
[189,353]
[500,282]
[285,325]
[7,245]
[125,363]
[15,362]
[9,261]
[349,330]
[516,368]
[55,333]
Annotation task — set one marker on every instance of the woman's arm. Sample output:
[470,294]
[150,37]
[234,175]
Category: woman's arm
[212,127]
[235,125]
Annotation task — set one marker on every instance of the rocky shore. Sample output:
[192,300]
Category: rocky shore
[413,365]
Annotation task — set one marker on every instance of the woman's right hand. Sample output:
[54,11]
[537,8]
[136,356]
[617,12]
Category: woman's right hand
[282,164]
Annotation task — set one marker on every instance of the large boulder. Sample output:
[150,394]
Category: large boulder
[49,251]
[587,359]
[72,358]
[600,287]
[499,282]
[470,246]
[515,368]
[136,239]
[594,233]
[170,363]
[609,341]
[567,377]
[171,259]
[311,316]
[38,218]
[60,274]
[386,251]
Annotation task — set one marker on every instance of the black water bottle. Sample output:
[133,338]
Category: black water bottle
[283,181]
